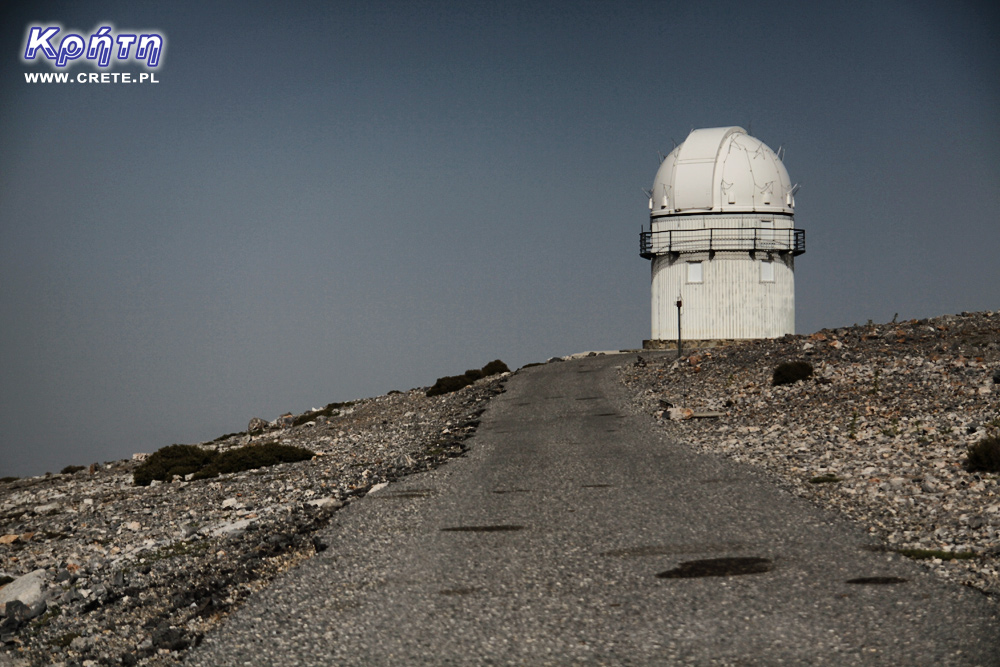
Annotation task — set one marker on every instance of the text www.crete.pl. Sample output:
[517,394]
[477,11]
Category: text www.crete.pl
[90,77]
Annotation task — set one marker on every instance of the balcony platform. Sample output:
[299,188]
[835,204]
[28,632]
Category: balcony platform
[751,240]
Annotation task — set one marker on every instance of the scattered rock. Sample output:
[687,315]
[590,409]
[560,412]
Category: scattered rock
[27,589]
[677,414]
[257,425]
[890,415]
[135,575]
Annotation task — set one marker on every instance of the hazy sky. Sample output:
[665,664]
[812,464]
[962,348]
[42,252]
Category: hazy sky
[326,201]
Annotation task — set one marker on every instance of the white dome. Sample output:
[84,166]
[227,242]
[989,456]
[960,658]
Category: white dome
[721,169]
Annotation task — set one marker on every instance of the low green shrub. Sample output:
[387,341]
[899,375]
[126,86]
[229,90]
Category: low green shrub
[825,479]
[6,480]
[252,457]
[450,383]
[323,412]
[495,367]
[172,460]
[229,435]
[69,470]
[791,371]
[927,554]
[204,463]
[984,456]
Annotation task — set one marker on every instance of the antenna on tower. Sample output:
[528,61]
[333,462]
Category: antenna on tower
[648,193]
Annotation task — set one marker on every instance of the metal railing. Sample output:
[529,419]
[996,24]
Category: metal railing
[722,239]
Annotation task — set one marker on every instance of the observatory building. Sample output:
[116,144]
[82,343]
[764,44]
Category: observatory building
[722,241]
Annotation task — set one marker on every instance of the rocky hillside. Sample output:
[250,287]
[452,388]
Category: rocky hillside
[105,572]
[879,431]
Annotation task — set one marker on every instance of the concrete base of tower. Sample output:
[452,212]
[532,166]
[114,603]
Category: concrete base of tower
[687,344]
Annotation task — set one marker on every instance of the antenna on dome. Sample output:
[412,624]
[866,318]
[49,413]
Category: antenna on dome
[674,142]
[781,152]
[750,127]
[661,155]
[648,193]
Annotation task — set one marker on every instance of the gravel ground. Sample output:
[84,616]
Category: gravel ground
[879,431]
[129,575]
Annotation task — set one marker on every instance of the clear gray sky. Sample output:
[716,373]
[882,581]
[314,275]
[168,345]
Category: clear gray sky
[322,201]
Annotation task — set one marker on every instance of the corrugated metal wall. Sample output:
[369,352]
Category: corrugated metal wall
[731,302]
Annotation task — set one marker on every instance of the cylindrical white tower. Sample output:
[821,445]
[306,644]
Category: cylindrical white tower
[722,240]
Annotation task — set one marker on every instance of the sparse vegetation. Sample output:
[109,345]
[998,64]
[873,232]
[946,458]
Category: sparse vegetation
[495,367]
[7,480]
[790,372]
[824,479]
[172,460]
[927,554]
[323,412]
[182,460]
[229,435]
[69,470]
[450,383]
[253,457]
[178,549]
[984,456]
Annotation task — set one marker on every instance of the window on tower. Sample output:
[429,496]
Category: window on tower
[694,272]
[767,271]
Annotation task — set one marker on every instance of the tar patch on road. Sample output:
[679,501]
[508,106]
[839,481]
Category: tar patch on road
[717,567]
[672,550]
[459,591]
[877,580]
[502,528]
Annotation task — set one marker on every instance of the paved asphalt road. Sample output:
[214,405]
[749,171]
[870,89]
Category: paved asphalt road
[543,544]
